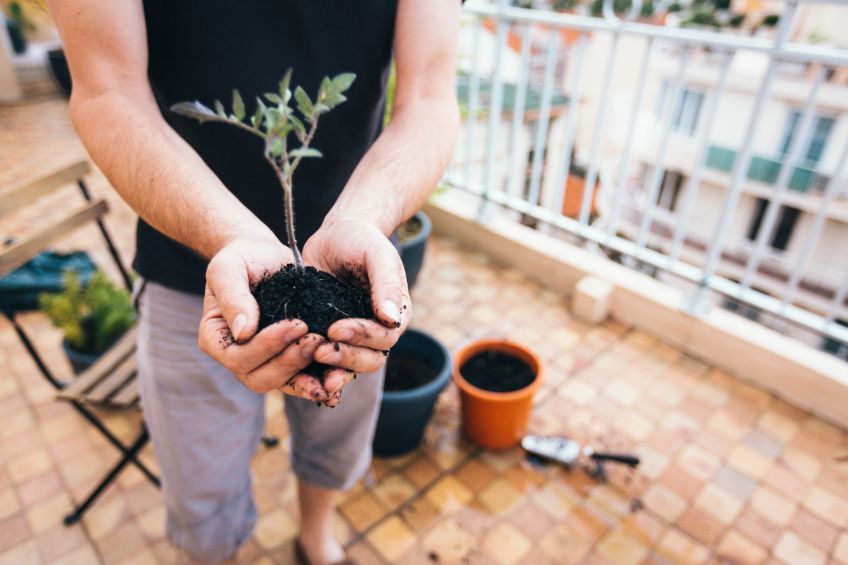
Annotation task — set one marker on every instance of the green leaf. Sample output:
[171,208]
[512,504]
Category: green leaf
[298,125]
[276,147]
[285,93]
[334,99]
[343,81]
[320,108]
[305,152]
[324,89]
[219,109]
[238,105]
[272,117]
[256,120]
[304,104]
[197,111]
[274,98]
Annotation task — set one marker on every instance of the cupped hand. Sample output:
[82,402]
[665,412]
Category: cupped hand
[262,360]
[352,247]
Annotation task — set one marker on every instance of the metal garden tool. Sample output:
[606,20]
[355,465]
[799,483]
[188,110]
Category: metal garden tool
[569,453]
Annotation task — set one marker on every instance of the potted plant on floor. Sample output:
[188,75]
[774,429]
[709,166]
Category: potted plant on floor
[417,371]
[497,380]
[92,316]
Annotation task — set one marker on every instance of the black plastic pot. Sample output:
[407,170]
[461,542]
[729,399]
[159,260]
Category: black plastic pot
[412,250]
[79,361]
[59,70]
[16,36]
[404,414]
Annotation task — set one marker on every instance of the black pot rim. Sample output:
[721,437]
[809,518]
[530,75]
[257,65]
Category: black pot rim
[426,228]
[430,388]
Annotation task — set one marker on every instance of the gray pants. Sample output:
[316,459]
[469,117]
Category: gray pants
[206,426]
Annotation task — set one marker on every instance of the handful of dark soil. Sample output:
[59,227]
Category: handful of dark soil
[317,298]
[496,371]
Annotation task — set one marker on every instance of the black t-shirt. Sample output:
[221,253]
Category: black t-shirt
[202,49]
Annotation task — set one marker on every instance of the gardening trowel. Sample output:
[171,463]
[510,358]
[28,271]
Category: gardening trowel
[568,452]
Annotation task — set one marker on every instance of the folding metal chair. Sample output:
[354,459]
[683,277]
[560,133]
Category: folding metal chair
[111,381]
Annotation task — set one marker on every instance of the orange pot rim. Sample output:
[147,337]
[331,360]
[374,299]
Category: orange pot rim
[509,346]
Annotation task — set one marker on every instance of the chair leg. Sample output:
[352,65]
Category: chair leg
[126,458]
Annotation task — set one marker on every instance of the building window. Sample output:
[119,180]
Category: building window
[672,182]
[835,347]
[813,147]
[687,108]
[786,222]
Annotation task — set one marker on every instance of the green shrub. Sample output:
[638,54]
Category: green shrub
[92,317]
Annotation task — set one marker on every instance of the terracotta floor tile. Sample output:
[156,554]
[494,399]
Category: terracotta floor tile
[13,531]
[506,544]
[677,547]
[749,461]
[815,530]
[391,538]
[681,482]
[773,506]
[421,472]
[531,520]
[840,553]
[555,500]
[394,490]
[448,495]
[24,552]
[83,554]
[795,551]
[827,505]
[620,547]
[500,496]
[739,549]
[768,446]
[419,514]
[362,510]
[756,527]
[29,465]
[735,482]
[9,505]
[125,541]
[723,505]
[698,462]
[564,544]
[701,525]
[782,479]
[665,502]
[37,489]
[448,541]
[48,513]
[475,475]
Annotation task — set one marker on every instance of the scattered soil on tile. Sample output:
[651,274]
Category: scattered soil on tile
[405,371]
[315,297]
[496,371]
[409,229]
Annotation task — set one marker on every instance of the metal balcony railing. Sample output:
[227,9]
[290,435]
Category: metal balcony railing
[542,143]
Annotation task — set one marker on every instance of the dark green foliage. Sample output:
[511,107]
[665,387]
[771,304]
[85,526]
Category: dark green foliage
[563,5]
[92,317]
[736,20]
[771,20]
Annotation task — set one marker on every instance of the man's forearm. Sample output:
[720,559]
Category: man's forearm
[403,166]
[159,175]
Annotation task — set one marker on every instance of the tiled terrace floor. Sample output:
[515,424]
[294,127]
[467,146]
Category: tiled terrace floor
[729,473]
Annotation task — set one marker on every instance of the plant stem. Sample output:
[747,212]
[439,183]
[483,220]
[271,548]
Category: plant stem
[289,211]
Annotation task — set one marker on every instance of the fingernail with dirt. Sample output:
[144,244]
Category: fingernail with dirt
[343,334]
[238,326]
[391,311]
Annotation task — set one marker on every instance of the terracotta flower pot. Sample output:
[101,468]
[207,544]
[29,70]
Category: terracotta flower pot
[496,420]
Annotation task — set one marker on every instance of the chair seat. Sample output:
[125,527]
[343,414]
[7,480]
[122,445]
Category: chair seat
[111,380]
